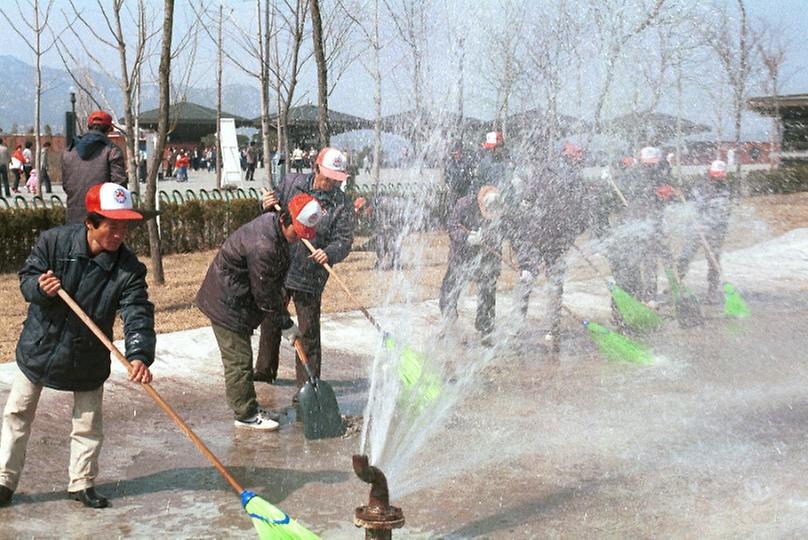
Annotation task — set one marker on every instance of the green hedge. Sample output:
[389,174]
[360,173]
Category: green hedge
[194,225]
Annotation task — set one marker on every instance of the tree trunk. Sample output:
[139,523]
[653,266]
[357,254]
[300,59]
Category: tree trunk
[322,72]
[126,90]
[162,132]
[219,98]
[38,84]
[377,102]
[264,46]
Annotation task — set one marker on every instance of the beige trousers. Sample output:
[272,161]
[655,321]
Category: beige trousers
[85,439]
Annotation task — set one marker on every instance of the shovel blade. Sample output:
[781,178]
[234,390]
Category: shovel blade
[320,411]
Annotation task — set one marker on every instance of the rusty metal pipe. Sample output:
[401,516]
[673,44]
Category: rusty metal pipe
[378,518]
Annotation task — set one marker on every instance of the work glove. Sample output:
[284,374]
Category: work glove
[291,334]
[475,238]
[665,192]
[526,277]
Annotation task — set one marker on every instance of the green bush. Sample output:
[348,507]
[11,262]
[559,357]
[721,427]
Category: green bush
[191,226]
[787,179]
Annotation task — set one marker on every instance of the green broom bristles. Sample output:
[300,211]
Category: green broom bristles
[426,384]
[271,522]
[635,314]
[616,346]
[734,305]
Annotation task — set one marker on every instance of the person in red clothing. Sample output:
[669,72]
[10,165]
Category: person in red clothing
[182,164]
[17,164]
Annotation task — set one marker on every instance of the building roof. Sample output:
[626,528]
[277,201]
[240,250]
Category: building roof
[768,105]
[187,113]
[308,115]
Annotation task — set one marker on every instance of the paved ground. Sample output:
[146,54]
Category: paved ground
[709,441]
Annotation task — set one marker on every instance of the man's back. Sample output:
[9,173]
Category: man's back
[91,159]
[5,155]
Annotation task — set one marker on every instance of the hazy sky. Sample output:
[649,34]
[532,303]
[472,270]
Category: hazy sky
[354,93]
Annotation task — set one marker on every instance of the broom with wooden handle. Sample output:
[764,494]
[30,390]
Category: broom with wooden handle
[271,522]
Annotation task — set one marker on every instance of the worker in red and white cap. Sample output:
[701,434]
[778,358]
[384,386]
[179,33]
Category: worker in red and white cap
[712,194]
[244,288]
[307,275]
[56,350]
[89,160]
[474,255]
[494,167]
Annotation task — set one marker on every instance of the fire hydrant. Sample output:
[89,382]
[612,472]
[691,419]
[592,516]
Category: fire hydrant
[378,518]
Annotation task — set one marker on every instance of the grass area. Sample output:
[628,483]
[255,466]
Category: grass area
[174,301]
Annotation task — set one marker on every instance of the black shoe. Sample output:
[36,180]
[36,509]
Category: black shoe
[5,495]
[89,498]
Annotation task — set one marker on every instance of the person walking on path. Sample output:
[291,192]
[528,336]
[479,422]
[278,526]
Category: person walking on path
[90,160]
[28,162]
[307,276]
[44,163]
[56,350]
[5,161]
[250,159]
[17,162]
[713,197]
[243,287]
[474,254]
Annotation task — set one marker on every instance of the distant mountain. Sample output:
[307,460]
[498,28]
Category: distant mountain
[17,96]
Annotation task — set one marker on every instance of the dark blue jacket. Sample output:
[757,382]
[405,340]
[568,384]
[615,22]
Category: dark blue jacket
[334,233]
[56,349]
[244,283]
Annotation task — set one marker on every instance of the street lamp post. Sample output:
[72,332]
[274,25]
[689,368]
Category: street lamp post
[70,120]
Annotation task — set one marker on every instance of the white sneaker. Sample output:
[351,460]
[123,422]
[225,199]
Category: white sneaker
[259,421]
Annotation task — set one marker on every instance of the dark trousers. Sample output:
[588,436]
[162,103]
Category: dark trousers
[250,176]
[45,182]
[454,281]
[17,174]
[4,179]
[714,222]
[307,307]
[236,352]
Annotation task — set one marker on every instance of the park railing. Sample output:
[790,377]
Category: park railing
[190,220]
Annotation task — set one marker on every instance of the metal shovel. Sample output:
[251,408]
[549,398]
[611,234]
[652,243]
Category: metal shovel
[318,405]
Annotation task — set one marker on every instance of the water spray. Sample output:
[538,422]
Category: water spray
[378,518]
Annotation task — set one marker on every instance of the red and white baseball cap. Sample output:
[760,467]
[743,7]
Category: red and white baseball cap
[650,155]
[493,139]
[333,164]
[112,201]
[306,214]
[718,169]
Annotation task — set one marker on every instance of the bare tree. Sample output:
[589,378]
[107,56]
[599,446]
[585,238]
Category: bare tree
[616,25]
[129,76]
[733,45]
[162,134]
[410,20]
[37,22]
[287,61]
[369,28]
[771,44]
[322,72]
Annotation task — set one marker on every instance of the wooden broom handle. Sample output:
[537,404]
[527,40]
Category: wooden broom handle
[152,392]
[704,244]
[345,288]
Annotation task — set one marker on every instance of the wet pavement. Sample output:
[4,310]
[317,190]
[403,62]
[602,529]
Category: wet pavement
[709,441]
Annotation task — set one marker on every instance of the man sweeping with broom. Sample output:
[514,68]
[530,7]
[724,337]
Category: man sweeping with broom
[56,350]
[243,287]
[713,197]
